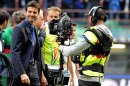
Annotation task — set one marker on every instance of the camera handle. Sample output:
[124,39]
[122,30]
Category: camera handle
[60,78]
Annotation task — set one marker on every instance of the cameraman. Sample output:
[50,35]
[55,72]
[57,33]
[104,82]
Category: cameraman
[50,48]
[95,46]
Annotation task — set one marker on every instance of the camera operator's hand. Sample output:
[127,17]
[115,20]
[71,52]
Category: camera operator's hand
[25,79]
[43,80]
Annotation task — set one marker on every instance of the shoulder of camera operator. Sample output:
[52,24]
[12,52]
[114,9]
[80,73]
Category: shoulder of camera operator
[90,37]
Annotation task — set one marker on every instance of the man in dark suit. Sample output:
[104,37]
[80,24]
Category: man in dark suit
[25,48]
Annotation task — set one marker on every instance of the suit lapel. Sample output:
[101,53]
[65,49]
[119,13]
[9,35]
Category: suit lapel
[35,31]
[29,35]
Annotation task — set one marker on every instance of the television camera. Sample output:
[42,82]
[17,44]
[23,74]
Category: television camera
[63,29]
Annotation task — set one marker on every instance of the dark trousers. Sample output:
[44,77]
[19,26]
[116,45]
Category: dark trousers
[32,74]
[88,83]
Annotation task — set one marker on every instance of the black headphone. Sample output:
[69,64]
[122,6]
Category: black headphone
[93,13]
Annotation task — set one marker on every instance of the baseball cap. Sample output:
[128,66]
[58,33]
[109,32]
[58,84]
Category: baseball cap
[97,12]
[90,13]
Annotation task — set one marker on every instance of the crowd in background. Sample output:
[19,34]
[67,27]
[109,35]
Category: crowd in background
[116,8]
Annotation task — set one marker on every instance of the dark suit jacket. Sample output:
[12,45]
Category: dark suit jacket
[22,45]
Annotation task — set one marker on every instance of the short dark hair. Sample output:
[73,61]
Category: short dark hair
[18,16]
[4,16]
[33,3]
[101,13]
[97,12]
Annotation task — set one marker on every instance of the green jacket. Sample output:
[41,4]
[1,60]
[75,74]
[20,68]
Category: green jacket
[6,38]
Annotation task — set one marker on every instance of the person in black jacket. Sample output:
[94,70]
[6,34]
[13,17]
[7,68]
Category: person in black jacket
[25,48]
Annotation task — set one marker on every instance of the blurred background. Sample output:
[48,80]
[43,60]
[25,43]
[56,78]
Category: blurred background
[117,70]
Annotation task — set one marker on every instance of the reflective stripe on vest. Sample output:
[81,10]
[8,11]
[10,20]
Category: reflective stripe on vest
[92,73]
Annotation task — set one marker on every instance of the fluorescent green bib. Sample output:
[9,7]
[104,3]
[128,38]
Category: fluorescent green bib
[91,59]
[50,51]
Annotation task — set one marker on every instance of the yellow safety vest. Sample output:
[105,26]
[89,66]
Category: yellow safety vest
[50,51]
[91,59]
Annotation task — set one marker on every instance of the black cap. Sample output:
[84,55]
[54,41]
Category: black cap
[96,11]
